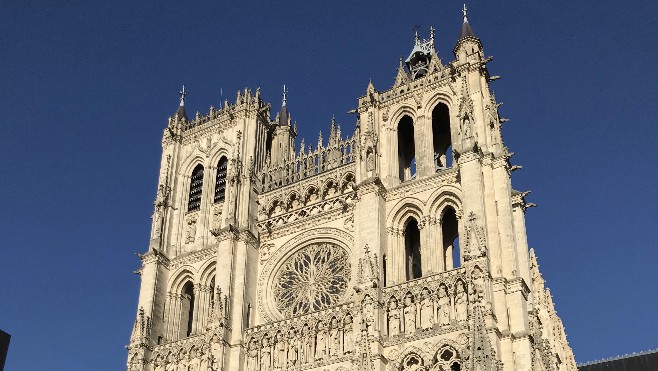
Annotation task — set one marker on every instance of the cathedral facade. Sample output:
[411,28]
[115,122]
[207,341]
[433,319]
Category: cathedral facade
[401,246]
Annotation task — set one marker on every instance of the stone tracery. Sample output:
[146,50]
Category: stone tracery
[314,278]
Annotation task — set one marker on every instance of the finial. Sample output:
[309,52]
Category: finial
[285,95]
[400,61]
[182,96]
[464,11]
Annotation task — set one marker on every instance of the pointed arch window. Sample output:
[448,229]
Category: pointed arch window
[220,180]
[442,142]
[406,149]
[196,187]
[412,250]
[187,311]
[450,232]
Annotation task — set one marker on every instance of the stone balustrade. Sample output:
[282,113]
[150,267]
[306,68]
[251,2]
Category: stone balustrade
[308,163]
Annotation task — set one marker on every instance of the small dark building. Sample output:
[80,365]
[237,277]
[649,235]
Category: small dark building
[644,361]
[4,347]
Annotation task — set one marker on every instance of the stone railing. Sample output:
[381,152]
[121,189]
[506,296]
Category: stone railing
[308,163]
[303,342]
[437,303]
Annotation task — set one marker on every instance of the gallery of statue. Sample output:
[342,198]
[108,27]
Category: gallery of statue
[401,246]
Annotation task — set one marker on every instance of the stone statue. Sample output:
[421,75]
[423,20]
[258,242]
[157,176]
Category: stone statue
[426,309]
[279,356]
[306,349]
[348,340]
[444,307]
[393,318]
[293,349]
[191,230]
[370,161]
[252,355]
[461,309]
[334,338]
[265,354]
[321,342]
[409,315]
[477,294]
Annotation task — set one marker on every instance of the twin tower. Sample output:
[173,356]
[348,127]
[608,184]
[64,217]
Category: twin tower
[401,246]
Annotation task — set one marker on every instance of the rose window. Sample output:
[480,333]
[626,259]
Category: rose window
[314,278]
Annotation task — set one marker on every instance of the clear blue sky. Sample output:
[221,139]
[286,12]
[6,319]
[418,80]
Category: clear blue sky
[87,87]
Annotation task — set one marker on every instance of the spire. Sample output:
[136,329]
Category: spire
[284,116]
[467,31]
[180,112]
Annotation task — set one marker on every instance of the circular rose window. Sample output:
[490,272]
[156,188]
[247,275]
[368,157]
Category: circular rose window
[313,278]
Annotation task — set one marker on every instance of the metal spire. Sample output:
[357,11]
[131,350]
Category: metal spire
[182,96]
[285,95]
[464,11]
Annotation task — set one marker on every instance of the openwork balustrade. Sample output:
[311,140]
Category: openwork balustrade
[308,163]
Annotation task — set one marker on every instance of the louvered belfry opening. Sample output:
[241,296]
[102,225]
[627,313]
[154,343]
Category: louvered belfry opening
[196,187]
[220,182]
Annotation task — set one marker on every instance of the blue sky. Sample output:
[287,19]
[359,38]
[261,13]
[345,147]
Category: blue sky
[87,87]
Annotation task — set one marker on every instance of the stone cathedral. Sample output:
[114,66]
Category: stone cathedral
[401,246]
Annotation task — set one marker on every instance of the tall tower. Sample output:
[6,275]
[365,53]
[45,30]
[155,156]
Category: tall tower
[400,247]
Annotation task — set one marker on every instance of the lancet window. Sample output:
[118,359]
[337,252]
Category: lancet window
[187,310]
[220,180]
[406,149]
[441,140]
[196,187]
[450,232]
[412,249]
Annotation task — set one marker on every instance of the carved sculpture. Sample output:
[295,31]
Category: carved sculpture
[426,309]
[393,318]
[444,306]
[334,338]
[348,340]
[321,342]
[409,314]
[461,303]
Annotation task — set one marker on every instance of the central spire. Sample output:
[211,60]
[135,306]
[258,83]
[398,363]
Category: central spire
[464,12]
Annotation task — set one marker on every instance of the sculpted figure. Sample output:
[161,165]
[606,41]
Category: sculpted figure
[409,315]
[348,340]
[478,286]
[370,161]
[252,355]
[279,351]
[194,360]
[321,342]
[426,310]
[461,309]
[393,318]
[293,348]
[334,338]
[369,315]
[444,306]
[265,354]
[305,348]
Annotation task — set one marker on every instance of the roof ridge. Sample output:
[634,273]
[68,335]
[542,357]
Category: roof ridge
[615,358]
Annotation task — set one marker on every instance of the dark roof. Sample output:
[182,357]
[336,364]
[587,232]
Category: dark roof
[644,361]
[180,112]
[467,31]
[283,116]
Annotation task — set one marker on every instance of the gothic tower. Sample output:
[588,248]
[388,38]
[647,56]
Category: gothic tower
[400,247]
